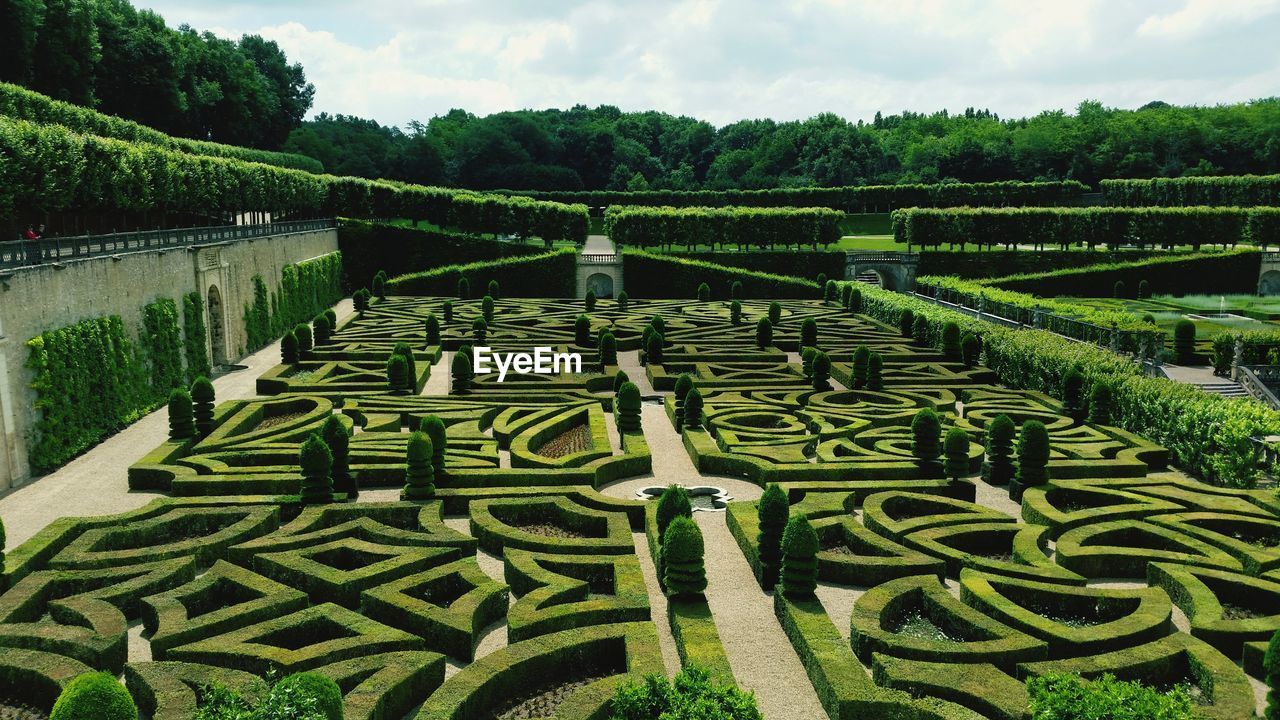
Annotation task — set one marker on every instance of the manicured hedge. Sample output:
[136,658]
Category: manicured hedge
[1092,226]
[806,264]
[1237,190]
[667,276]
[745,227]
[368,247]
[1001,263]
[849,199]
[305,290]
[1202,273]
[547,274]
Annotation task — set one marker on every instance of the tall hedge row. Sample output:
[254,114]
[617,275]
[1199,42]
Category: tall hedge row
[369,247]
[848,199]
[1209,435]
[1092,226]
[23,104]
[642,227]
[668,276]
[48,168]
[305,290]
[798,263]
[1237,190]
[1184,274]
[547,274]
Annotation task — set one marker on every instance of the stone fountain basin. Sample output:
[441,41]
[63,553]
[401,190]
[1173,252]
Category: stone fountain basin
[703,498]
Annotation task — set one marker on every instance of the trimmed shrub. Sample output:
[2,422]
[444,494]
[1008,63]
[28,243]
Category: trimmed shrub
[419,473]
[821,281]
[735,312]
[926,438]
[195,336]
[951,350]
[464,288]
[1033,457]
[202,396]
[447,309]
[829,291]
[628,402]
[970,349]
[809,333]
[380,284]
[861,367]
[1100,403]
[623,300]
[821,372]
[799,558]
[1271,673]
[403,350]
[493,289]
[693,409]
[338,439]
[317,470]
[608,349]
[764,333]
[435,429]
[360,300]
[684,383]
[302,331]
[1184,342]
[94,696]
[1144,289]
[589,301]
[855,301]
[806,360]
[772,512]
[906,322]
[327,694]
[182,421]
[620,379]
[1118,290]
[397,375]
[997,468]
[289,348]
[486,308]
[582,331]
[479,329]
[956,450]
[653,349]
[1064,696]
[672,503]
[692,695]
[920,330]
[461,371]
[846,294]
[433,329]
[683,570]
[320,329]
[657,323]
[735,290]
[875,372]
[775,313]
[1073,394]
[704,292]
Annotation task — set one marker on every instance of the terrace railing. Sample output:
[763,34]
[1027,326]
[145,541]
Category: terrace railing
[599,258]
[1258,381]
[16,254]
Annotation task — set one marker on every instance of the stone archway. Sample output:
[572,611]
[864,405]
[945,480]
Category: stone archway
[1269,283]
[600,284]
[217,327]
[895,270]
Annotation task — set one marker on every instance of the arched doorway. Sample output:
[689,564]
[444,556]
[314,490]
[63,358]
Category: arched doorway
[601,285]
[1269,283]
[217,329]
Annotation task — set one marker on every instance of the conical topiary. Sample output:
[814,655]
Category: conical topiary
[447,310]
[920,330]
[93,696]
[926,439]
[764,333]
[360,300]
[855,301]
[807,355]
[486,308]
[479,330]
[464,288]
[397,375]
[735,312]
[684,573]
[861,361]
[809,333]
[289,348]
[620,379]
[303,332]
[433,329]
[1271,673]
[693,409]
[772,512]
[608,349]
[653,350]
[336,436]
[435,429]
[830,291]
[875,372]
[202,397]
[821,372]
[182,421]
[672,503]
[320,329]
[735,290]
[628,401]
[317,471]
[956,450]
[419,474]
[846,294]
[623,301]
[461,372]
[411,365]
[906,323]
[998,467]
[582,331]
[799,558]
[970,349]
[493,289]
[380,284]
[951,350]
[684,383]
[775,312]
[1033,458]
[1100,403]
[704,292]
[1073,394]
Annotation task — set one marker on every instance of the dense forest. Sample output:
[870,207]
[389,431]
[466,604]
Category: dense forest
[107,55]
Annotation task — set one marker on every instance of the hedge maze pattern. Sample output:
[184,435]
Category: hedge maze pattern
[517,583]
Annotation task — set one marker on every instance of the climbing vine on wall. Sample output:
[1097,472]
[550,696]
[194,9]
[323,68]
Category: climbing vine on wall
[194,333]
[162,344]
[305,290]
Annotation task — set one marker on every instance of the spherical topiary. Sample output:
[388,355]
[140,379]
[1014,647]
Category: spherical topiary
[855,301]
[970,349]
[693,409]
[628,401]
[303,332]
[447,309]
[926,437]
[799,558]
[320,329]
[875,372]
[1073,393]
[831,289]
[653,350]
[735,313]
[589,301]
[1033,457]
[338,439]
[672,503]
[435,429]
[1144,288]
[317,470]
[861,364]
[202,395]
[704,292]
[906,323]
[461,371]
[772,512]
[486,308]
[397,375]
[1184,342]
[419,473]
[683,573]
[403,350]
[325,692]
[493,289]
[582,331]
[94,696]
[182,421]
[623,300]
[735,290]
[1119,289]
[433,330]
[620,379]
[956,450]
[380,284]
[608,349]
[775,312]
[289,348]
[360,300]
[951,350]
[464,288]
[920,330]
[997,468]
[1100,403]
[821,372]
[808,332]
[764,333]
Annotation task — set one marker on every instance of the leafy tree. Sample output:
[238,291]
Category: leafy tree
[799,558]
[956,450]
[926,438]
[1061,695]
[764,333]
[683,571]
[997,468]
[182,422]
[772,511]
[326,692]
[419,475]
[202,395]
[338,439]
[317,471]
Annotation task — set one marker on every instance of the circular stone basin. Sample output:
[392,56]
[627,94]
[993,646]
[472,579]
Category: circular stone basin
[703,498]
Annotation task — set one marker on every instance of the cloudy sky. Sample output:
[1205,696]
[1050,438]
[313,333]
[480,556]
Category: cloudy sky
[722,60]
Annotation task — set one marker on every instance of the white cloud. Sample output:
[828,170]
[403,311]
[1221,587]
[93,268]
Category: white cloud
[1199,15]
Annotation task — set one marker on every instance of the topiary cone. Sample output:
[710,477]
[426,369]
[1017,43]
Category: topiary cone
[419,476]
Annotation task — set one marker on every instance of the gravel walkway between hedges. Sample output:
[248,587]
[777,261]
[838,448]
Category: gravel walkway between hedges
[657,605]
[96,482]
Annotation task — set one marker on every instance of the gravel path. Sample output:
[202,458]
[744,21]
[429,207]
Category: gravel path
[657,605]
